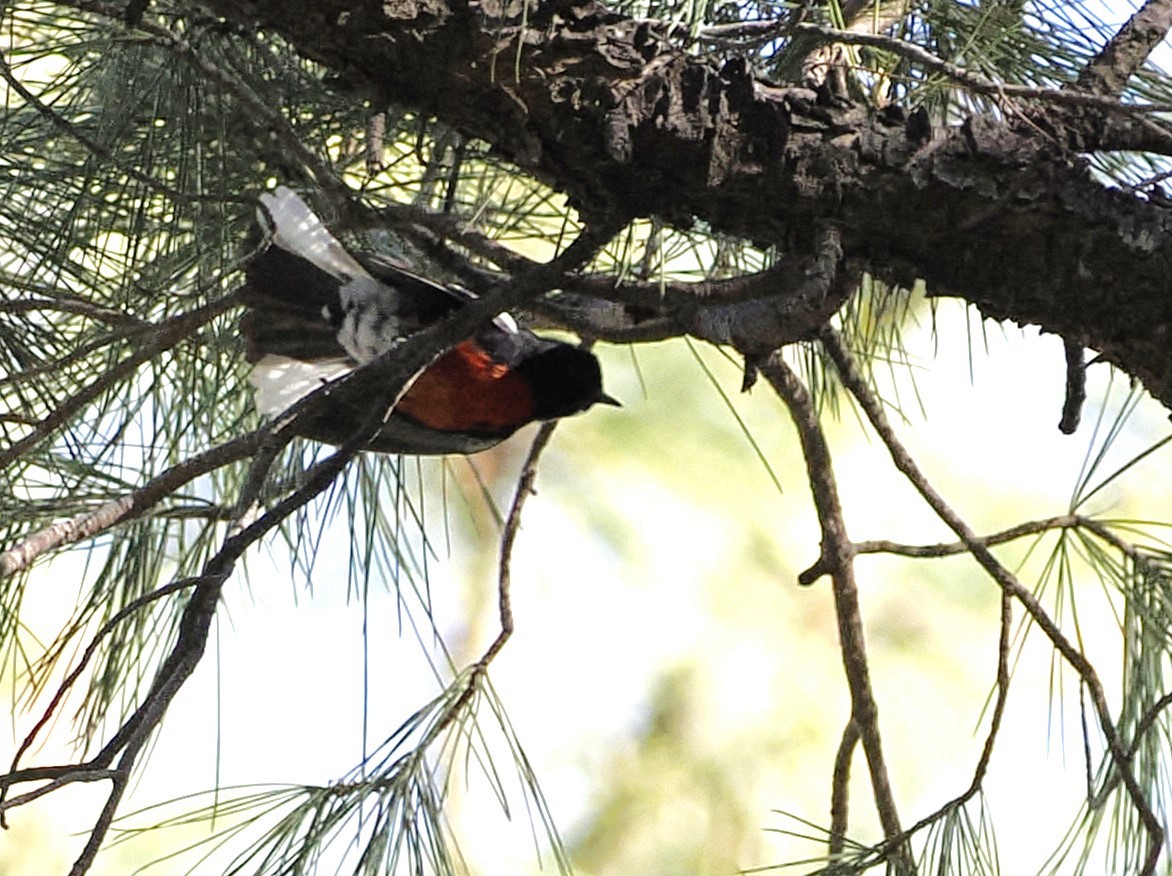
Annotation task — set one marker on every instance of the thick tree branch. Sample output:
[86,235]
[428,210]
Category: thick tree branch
[599,107]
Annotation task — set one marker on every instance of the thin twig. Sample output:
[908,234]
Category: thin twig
[880,852]
[77,307]
[509,538]
[87,655]
[840,789]
[783,274]
[76,775]
[948,549]
[582,249]
[194,626]
[1002,697]
[23,554]
[61,364]
[479,670]
[1144,724]
[1076,387]
[971,80]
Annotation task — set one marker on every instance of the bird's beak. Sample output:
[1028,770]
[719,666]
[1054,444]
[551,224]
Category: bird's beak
[604,399]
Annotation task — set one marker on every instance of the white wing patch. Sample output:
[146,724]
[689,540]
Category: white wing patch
[295,228]
[506,323]
[370,326]
[281,381]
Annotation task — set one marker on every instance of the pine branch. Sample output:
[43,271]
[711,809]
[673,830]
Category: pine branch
[1009,583]
[1108,72]
[23,554]
[1033,527]
[840,789]
[837,555]
[166,335]
[117,758]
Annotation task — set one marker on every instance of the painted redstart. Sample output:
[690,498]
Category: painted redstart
[318,311]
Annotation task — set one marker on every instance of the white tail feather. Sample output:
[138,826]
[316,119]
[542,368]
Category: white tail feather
[295,228]
[281,381]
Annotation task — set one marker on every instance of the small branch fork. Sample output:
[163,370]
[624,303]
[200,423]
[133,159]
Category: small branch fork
[883,851]
[116,760]
[1013,591]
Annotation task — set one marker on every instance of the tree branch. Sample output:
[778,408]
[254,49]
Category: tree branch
[840,789]
[970,79]
[395,370]
[1009,584]
[1033,527]
[1109,71]
[512,525]
[995,211]
[14,775]
[509,537]
[880,852]
[23,554]
[1076,387]
[838,554]
[185,656]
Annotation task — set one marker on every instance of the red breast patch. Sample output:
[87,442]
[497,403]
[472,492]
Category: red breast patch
[466,390]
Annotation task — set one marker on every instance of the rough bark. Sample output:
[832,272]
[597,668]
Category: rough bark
[599,106]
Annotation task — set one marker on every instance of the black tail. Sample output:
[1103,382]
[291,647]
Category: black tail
[288,299]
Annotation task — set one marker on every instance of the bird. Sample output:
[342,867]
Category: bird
[316,312]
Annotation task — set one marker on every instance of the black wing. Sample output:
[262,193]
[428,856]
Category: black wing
[425,302]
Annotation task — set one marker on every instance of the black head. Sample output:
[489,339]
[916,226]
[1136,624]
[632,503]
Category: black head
[564,380]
